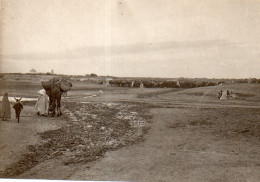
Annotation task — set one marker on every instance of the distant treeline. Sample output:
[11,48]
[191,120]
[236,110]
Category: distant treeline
[250,80]
[28,73]
[54,74]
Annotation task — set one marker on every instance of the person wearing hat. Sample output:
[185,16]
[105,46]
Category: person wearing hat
[42,104]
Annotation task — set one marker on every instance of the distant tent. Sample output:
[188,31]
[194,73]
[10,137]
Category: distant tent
[141,85]
[107,81]
[224,95]
[133,83]
[33,70]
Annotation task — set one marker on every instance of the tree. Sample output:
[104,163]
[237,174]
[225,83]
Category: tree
[93,75]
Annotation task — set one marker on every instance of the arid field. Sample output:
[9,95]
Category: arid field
[133,134]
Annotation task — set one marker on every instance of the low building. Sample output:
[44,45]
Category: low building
[33,70]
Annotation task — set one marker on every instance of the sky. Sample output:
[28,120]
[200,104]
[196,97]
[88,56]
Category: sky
[138,38]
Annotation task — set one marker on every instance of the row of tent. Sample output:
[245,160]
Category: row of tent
[159,84]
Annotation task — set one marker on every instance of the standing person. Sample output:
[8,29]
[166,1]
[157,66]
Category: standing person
[42,104]
[6,108]
[228,93]
[219,94]
[18,107]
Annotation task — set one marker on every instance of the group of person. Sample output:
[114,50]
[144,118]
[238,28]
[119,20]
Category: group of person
[41,106]
[225,94]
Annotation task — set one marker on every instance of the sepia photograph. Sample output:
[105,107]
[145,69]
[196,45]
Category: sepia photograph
[130,90]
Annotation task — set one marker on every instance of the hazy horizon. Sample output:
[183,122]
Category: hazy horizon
[131,38]
[127,77]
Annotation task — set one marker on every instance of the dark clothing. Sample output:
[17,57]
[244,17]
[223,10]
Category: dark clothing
[18,106]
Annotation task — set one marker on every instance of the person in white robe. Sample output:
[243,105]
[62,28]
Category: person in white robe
[42,104]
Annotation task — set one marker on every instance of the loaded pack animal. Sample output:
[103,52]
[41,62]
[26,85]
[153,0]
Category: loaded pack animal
[18,107]
[55,89]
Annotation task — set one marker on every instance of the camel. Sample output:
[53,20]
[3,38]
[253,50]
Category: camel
[55,89]
[55,97]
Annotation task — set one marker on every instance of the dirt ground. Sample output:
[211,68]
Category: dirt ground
[193,137]
[179,153]
[16,137]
